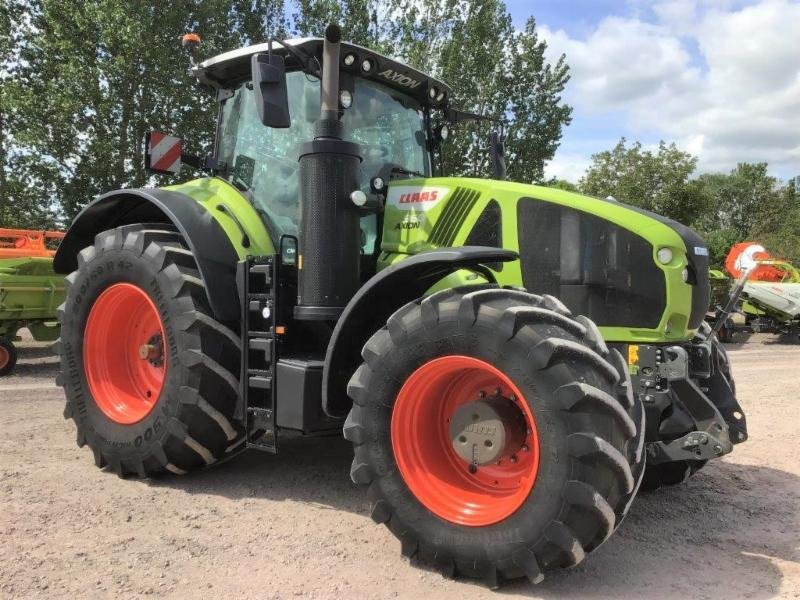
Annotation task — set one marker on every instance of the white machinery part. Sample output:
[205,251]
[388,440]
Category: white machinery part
[783,297]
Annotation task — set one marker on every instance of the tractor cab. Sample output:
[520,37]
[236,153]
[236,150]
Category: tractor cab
[385,107]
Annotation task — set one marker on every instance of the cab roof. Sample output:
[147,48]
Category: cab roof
[230,68]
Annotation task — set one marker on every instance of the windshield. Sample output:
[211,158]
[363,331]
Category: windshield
[262,161]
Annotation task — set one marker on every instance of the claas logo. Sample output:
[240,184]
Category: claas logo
[418,197]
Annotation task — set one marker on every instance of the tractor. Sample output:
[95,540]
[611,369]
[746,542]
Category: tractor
[510,362]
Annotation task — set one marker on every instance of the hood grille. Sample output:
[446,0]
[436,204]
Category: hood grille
[453,216]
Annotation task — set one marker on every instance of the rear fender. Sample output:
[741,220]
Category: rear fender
[215,253]
[381,296]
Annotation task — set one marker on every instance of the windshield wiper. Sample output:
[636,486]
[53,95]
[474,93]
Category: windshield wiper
[404,171]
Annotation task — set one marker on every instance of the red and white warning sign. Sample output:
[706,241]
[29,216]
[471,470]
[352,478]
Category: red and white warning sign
[163,152]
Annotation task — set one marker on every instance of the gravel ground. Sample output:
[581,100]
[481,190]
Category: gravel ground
[293,525]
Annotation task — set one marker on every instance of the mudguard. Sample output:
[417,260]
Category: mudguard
[381,296]
[215,254]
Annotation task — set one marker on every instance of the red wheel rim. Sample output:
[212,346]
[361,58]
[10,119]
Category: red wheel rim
[5,357]
[123,353]
[439,478]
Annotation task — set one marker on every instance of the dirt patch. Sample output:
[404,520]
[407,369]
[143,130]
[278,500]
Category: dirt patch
[293,525]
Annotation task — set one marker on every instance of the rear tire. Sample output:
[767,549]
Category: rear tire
[190,425]
[589,431]
[8,356]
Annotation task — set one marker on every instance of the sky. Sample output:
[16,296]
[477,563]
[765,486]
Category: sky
[720,78]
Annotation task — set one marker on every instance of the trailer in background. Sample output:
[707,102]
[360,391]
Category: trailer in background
[30,292]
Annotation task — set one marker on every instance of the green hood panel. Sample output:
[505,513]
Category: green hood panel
[423,214]
[227,205]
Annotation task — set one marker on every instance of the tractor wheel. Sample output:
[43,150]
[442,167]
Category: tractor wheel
[498,435]
[151,379]
[8,356]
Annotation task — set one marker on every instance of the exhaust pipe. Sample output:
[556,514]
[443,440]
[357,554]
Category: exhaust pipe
[330,73]
[330,236]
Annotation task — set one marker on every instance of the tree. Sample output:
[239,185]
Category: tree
[655,181]
[777,223]
[562,184]
[471,45]
[83,81]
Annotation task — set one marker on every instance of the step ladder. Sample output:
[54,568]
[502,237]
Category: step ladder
[257,286]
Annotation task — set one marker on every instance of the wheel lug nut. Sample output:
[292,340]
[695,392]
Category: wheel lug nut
[497,391]
[145,350]
[481,394]
[513,459]
[525,447]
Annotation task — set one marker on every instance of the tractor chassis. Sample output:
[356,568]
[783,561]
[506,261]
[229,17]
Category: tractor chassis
[691,408]
[280,386]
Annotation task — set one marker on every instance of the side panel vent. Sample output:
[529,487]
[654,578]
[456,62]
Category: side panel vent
[595,267]
[453,216]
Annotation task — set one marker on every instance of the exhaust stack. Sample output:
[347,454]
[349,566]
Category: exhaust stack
[330,236]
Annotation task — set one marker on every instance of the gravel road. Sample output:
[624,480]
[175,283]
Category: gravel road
[293,525]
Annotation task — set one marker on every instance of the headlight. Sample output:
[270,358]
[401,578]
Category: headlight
[664,256]
[432,93]
[377,184]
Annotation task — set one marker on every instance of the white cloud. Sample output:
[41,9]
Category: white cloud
[721,80]
[567,165]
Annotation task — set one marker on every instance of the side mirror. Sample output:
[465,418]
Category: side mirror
[269,85]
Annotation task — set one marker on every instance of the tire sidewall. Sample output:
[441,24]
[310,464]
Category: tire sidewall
[104,269]
[480,341]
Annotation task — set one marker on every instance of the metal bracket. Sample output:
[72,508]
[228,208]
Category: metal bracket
[712,438]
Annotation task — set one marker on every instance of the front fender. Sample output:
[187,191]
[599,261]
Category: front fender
[381,296]
[212,249]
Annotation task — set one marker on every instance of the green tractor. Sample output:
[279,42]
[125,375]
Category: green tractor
[509,361]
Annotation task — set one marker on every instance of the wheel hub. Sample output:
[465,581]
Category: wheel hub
[469,471]
[153,350]
[123,353]
[487,430]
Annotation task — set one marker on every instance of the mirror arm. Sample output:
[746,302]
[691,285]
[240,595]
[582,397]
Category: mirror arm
[306,60]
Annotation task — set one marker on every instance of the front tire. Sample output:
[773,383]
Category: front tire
[576,471]
[150,377]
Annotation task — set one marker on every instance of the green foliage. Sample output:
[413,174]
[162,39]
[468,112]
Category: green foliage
[562,184]
[777,223]
[656,181]
[83,81]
